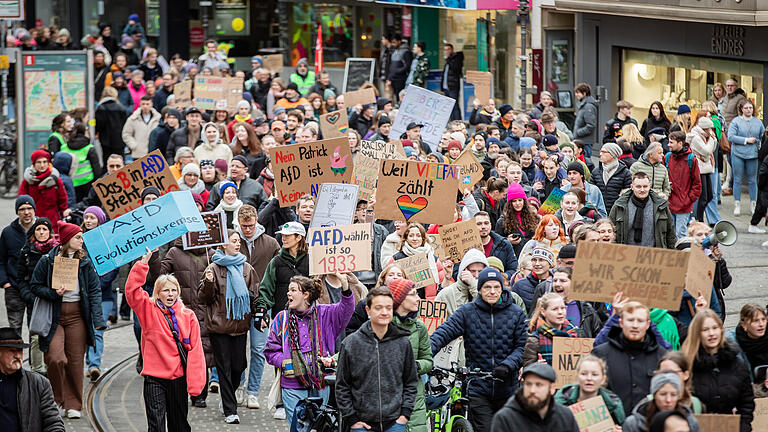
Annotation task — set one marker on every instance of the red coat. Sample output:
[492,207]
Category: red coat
[48,193]
[685,181]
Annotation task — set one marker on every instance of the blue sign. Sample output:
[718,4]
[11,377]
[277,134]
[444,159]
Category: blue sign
[154,224]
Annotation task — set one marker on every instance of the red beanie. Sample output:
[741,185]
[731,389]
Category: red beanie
[406,143]
[453,144]
[67,231]
[400,289]
[39,154]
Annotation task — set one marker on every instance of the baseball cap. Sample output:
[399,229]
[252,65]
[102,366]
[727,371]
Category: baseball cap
[293,228]
[412,125]
[542,370]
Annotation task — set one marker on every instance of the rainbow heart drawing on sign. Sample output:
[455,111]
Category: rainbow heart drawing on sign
[410,207]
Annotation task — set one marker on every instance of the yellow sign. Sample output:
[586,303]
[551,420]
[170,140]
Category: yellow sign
[238,24]
[4,63]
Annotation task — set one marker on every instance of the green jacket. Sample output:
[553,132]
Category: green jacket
[569,395]
[664,225]
[421,71]
[305,83]
[273,288]
[422,352]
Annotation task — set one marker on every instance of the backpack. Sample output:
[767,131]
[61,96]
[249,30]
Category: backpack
[688,159]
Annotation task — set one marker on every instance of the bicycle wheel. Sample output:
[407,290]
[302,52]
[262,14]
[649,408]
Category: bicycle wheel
[461,425]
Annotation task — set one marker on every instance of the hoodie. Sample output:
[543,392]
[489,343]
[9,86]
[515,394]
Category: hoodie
[390,247]
[259,249]
[459,292]
[212,150]
[63,163]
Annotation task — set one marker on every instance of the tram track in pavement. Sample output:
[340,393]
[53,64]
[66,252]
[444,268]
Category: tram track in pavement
[95,409]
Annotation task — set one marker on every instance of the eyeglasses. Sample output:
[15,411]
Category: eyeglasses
[248,226]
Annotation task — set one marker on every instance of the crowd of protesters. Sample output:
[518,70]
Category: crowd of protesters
[204,313]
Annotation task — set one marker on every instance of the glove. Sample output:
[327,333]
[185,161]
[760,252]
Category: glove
[260,316]
[501,372]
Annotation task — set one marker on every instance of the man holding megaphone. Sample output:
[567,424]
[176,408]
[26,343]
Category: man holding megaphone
[724,233]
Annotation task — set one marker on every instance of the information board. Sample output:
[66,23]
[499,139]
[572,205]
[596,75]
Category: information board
[358,71]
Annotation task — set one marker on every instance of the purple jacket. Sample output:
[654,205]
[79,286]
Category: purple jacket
[333,319]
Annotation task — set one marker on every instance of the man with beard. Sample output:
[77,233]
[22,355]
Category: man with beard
[533,408]
[24,392]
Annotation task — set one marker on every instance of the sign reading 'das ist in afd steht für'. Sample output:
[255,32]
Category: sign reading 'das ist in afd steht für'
[152,225]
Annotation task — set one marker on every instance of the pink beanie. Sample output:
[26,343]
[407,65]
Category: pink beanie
[515,191]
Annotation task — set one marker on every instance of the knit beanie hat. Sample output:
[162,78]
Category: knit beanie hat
[453,144]
[458,136]
[39,221]
[471,257]
[67,231]
[240,158]
[328,93]
[515,191]
[505,109]
[682,109]
[526,142]
[567,144]
[534,202]
[226,185]
[613,149]
[198,199]
[243,104]
[409,151]
[489,274]
[567,252]
[492,140]
[437,156]
[544,254]
[221,165]
[24,199]
[575,166]
[98,212]
[496,263]
[174,113]
[206,162]
[406,143]
[190,168]
[40,154]
[661,379]
[400,289]
[706,123]
[149,190]
[549,140]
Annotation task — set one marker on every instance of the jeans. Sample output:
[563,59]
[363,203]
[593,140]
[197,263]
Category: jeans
[291,397]
[712,212]
[681,224]
[93,354]
[742,168]
[257,341]
[588,151]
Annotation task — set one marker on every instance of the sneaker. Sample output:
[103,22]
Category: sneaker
[279,414]
[240,395]
[754,229]
[752,206]
[232,419]
[74,414]
[199,403]
[213,387]
[727,191]
[93,374]
[765,244]
[253,402]
[221,407]
[736,208]
[112,319]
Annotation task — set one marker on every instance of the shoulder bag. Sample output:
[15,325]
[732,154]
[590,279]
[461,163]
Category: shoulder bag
[179,346]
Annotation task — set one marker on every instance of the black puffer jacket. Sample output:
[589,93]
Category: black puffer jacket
[722,383]
[28,258]
[514,417]
[620,180]
[632,365]
[494,335]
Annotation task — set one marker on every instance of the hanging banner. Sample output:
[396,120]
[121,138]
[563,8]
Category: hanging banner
[214,235]
[426,108]
[336,205]
[345,248]
[301,168]
[334,124]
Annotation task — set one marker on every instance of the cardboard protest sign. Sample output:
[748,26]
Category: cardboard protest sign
[471,170]
[301,168]
[700,274]
[214,235]
[334,124]
[760,421]
[482,82]
[336,205]
[552,204]
[458,238]
[273,62]
[566,353]
[360,97]
[592,415]
[382,150]
[720,422]
[423,107]
[120,192]
[65,273]
[420,268]
[437,245]
[416,191]
[432,314]
[364,175]
[183,93]
[652,276]
[122,240]
[212,93]
[345,248]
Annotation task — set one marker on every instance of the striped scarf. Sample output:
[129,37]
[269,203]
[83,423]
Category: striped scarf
[306,366]
[546,333]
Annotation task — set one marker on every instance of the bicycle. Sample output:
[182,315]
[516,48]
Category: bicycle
[312,415]
[446,400]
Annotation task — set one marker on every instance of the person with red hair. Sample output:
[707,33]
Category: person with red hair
[549,235]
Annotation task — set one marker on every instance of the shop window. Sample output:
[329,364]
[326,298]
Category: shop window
[338,31]
[678,79]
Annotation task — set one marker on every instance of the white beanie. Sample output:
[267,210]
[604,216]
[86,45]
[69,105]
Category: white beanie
[472,256]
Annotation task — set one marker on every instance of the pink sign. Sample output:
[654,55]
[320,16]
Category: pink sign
[497,4]
[406,21]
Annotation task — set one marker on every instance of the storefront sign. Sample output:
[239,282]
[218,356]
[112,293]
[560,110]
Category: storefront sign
[728,40]
[342,249]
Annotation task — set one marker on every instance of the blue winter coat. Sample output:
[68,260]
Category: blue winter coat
[494,335]
[525,288]
[62,161]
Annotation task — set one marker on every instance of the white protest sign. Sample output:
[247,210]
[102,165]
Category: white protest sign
[427,108]
[336,204]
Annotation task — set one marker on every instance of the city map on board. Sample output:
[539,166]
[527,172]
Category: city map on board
[50,92]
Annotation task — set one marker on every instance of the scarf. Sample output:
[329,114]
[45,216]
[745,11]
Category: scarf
[238,299]
[637,224]
[410,315]
[198,188]
[409,250]
[756,350]
[547,333]
[45,247]
[239,118]
[306,367]
[490,200]
[609,169]
[45,180]
[229,207]
[479,154]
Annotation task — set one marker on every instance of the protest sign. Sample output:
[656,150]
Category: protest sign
[301,168]
[419,268]
[566,353]
[273,62]
[592,415]
[120,192]
[216,93]
[336,205]
[183,93]
[719,422]
[432,314]
[760,421]
[122,240]
[700,274]
[457,238]
[345,248]
[334,124]
[382,150]
[652,276]
[437,245]
[471,170]
[360,97]
[552,204]
[364,175]
[65,273]
[426,108]
[416,191]
[482,82]
[214,235]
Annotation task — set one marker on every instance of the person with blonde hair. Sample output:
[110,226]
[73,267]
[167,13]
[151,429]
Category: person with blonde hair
[631,134]
[591,377]
[547,322]
[174,362]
